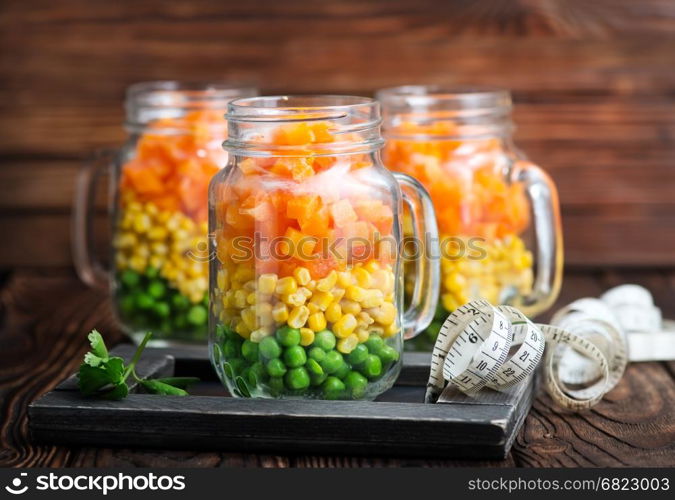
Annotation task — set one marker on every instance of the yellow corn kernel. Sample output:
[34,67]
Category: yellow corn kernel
[157,233]
[390,330]
[373,298]
[243,274]
[362,334]
[317,322]
[355,293]
[333,312]
[383,280]
[302,275]
[286,285]
[311,285]
[142,223]
[137,263]
[251,298]
[263,312]
[250,285]
[306,336]
[376,330]
[344,327]
[249,318]
[259,334]
[365,318]
[362,277]
[350,307]
[322,300]
[347,344]
[345,279]
[298,317]
[294,299]
[449,302]
[267,283]
[325,284]
[280,312]
[454,282]
[127,240]
[338,293]
[240,299]
[372,266]
[242,329]
[385,314]
[313,308]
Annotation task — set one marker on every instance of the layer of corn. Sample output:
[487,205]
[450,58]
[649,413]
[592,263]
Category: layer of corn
[147,237]
[352,304]
[501,275]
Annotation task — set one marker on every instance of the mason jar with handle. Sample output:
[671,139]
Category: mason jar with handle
[498,214]
[306,286]
[158,204]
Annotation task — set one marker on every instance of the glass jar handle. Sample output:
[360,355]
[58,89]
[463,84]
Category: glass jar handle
[424,300]
[88,267]
[545,208]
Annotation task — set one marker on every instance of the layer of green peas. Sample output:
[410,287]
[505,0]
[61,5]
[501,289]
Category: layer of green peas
[146,301]
[280,366]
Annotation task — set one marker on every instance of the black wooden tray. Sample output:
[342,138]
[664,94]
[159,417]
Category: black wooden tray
[397,423]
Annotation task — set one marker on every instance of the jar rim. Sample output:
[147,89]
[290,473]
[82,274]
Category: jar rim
[174,93]
[303,107]
[447,98]
[251,119]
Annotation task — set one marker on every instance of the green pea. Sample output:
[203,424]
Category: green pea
[288,337]
[313,367]
[130,278]
[356,383]
[317,354]
[317,380]
[343,370]
[297,378]
[237,365]
[197,315]
[127,305]
[156,289]
[225,332]
[295,356]
[333,388]
[144,301]
[358,355]
[374,343]
[205,300]
[388,354]
[276,368]
[162,309]
[332,362]
[180,301]
[250,351]
[151,272]
[325,340]
[257,373]
[269,348]
[231,349]
[180,322]
[372,366]
[276,385]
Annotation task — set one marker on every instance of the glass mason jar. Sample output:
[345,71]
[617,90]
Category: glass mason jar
[305,277]
[159,187]
[498,214]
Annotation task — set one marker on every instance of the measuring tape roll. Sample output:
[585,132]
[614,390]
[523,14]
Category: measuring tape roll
[475,348]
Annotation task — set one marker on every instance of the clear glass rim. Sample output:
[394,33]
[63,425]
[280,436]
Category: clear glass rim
[445,97]
[304,107]
[155,93]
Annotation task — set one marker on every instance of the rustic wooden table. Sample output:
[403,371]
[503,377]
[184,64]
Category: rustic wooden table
[44,317]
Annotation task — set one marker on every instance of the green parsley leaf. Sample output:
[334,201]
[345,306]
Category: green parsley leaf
[98,347]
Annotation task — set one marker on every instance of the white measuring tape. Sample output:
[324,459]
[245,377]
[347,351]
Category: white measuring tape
[587,346]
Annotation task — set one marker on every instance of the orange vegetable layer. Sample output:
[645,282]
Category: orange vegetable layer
[175,160]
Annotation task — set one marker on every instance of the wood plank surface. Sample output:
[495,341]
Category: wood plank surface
[44,317]
[593,81]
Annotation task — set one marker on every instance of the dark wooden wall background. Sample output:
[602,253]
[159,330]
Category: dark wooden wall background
[594,82]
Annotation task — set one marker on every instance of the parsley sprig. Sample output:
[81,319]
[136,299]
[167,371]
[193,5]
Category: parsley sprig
[106,376]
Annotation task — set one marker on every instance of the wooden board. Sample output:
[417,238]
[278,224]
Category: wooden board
[593,81]
[398,423]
